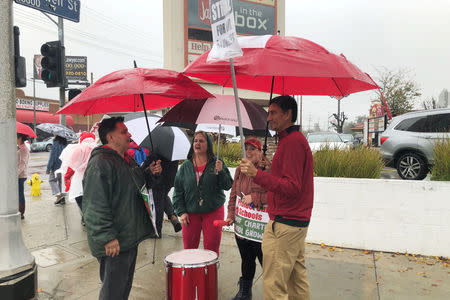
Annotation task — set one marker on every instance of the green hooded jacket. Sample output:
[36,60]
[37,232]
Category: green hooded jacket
[112,205]
[186,196]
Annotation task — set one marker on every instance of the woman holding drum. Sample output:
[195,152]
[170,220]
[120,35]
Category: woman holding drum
[253,196]
[198,194]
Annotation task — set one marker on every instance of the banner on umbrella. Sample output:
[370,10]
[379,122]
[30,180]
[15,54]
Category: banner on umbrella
[225,44]
[249,223]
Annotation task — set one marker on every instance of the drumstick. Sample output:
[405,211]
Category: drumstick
[220,223]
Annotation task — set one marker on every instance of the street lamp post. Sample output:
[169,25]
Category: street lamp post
[18,271]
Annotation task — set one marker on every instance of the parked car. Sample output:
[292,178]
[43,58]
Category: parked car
[45,145]
[319,140]
[349,139]
[407,144]
[359,138]
[234,139]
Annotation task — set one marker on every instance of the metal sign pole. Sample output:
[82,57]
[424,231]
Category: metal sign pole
[34,105]
[238,109]
[62,90]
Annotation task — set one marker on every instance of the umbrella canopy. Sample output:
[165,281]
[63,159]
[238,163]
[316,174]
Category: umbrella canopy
[172,143]
[120,91]
[25,129]
[58,129]
[297,67]
[217,110]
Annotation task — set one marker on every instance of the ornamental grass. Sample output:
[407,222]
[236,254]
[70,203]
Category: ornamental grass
[359,162]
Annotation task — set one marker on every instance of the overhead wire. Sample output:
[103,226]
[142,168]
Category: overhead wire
[74,33]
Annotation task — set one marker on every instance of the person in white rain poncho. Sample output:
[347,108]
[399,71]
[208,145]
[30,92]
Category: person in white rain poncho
[75,160]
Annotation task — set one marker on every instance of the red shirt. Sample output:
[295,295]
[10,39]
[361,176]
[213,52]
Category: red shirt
[290,184]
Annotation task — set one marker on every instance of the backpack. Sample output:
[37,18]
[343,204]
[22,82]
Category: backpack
[139,156]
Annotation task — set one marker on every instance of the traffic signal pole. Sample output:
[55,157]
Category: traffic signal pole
[18,271]
[62,90]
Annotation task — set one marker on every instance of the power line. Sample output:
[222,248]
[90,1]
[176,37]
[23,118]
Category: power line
[94,39]
[93,42]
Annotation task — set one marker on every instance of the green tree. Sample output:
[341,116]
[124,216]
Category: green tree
[399,90]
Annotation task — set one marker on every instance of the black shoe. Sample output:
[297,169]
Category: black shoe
[60,199]
[245,290]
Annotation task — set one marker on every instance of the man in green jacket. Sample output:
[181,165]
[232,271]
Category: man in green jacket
[113,209]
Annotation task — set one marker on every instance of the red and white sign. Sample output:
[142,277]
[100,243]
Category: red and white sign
[28,104]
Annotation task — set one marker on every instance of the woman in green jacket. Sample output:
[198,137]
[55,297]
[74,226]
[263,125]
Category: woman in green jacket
[198,197]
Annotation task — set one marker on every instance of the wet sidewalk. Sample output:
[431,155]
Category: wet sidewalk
[56,238]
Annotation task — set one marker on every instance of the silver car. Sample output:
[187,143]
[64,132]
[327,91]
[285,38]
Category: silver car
[407,144]
[320,140]
[45,145]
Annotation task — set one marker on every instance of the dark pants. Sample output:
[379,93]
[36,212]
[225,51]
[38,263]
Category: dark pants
[21,196]
[79,201]
[163,204]
[249,251]
[116,274]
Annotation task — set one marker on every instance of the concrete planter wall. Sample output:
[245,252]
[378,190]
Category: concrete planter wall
[381,214]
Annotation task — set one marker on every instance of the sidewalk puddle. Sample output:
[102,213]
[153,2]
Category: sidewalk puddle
[51,256]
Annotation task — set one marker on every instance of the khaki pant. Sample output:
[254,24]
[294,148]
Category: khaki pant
[284,270]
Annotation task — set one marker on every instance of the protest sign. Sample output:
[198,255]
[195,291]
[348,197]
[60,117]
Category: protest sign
[249,223]
[147,195]
[225,44]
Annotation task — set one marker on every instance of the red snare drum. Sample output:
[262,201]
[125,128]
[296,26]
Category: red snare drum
[192,275]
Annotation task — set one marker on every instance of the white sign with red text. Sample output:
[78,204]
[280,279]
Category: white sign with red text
[249,222]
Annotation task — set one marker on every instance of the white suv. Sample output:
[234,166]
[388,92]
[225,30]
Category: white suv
[408,142]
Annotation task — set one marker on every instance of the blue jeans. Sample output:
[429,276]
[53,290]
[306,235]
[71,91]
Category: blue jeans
[21,190]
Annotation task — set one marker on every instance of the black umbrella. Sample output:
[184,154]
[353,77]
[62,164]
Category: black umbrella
[171,143]
[58,129]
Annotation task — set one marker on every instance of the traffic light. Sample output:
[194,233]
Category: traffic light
[73,93]
[53,66]
[19,61]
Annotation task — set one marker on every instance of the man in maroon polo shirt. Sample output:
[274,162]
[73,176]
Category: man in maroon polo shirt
[290,201]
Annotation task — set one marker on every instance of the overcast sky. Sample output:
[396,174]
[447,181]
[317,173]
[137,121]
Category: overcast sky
[409,34]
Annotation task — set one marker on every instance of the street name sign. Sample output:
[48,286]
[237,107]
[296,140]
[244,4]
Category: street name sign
[66,9]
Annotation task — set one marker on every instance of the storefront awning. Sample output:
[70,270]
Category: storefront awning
[27,116]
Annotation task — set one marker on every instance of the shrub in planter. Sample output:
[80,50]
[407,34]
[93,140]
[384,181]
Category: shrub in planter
[360,162]
[231,153]
[441,168]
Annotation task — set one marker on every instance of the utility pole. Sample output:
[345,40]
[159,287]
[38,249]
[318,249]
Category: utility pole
[62,90]
[18,270]
[34,102]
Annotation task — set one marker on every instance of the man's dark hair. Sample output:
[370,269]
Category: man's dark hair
[106,126]
[286,102]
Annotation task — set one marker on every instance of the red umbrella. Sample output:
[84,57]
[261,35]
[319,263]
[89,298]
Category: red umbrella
[296,66]
[285,65]
[25,129]
[120,91]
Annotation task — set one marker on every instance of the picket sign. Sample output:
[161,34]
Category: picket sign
[225,44]
[147,195]
[249,223]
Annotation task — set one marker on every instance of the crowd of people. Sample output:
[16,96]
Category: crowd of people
[107,181]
